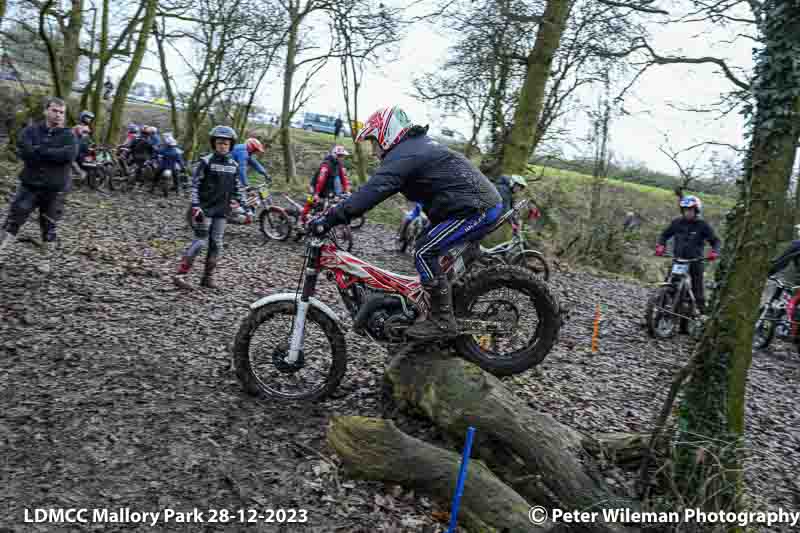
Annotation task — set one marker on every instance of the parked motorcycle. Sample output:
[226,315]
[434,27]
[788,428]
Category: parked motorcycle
[779,316]
[508,320]
[94,169]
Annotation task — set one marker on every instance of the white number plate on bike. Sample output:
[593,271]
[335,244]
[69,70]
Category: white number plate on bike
[680,268]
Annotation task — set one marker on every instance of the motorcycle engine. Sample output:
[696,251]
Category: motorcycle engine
[384,318]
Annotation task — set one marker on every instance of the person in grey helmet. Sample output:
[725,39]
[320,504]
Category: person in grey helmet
[214,185]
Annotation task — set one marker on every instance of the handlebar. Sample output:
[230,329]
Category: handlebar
[680,260]
[782,284]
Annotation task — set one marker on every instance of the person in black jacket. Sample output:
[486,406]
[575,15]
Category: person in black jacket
[214,185]
[691,233]
[460,202]
[47,150]
[789,256]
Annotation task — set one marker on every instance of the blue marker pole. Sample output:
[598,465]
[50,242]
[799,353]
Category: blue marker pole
[462,476]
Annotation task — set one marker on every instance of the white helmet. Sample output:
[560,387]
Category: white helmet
[387,125]
[516,179]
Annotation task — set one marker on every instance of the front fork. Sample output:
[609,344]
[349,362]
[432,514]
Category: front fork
[309,286]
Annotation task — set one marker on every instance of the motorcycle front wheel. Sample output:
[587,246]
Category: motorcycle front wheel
[661,324]
[262,345]
[764,330]
[515,319]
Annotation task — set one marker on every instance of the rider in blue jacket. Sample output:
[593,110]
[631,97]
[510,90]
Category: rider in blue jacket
[460,202]
[243,155]
[171,159]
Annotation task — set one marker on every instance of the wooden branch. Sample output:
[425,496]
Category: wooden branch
[663,60]
[375,449]
[541,459]
[641,6]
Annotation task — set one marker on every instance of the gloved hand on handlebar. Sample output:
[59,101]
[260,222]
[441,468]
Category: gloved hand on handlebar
[660,249]
[197,214]
[712,255]
[514,227]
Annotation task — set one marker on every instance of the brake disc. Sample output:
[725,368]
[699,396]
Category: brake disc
[279,356]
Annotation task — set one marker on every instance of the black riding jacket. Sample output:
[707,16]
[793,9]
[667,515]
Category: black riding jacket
[690,237]
[790,255]
[446,184]
[215,184]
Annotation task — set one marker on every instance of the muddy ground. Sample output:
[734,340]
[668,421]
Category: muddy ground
[117,388]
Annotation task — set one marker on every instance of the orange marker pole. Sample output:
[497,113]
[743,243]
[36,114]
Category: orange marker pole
[596,329]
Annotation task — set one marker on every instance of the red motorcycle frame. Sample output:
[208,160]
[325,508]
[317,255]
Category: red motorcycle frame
[384,304]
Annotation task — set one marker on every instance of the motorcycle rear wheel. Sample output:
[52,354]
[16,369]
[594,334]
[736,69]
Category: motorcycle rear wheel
[537,302]
[275,224]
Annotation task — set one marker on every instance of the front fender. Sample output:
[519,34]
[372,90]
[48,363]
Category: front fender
[291,297]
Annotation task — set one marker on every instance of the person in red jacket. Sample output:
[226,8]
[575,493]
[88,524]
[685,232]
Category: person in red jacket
[330,179]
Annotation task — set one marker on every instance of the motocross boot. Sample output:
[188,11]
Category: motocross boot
[208,274]
[181,278]
[441,323]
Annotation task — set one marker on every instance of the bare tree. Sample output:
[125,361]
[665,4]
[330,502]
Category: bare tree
[363,30]
[121,94]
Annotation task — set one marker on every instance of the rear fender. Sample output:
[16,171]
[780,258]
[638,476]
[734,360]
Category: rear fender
[291,297]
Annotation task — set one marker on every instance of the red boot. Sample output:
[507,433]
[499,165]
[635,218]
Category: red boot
[181,278]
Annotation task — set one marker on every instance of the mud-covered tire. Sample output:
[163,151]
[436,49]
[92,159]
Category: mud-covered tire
[533,261]
[275,224]
[241,351]
[543,300]
[662,295]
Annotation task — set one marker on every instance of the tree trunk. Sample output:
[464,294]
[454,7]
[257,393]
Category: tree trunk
[288,76]
[542,460]
[121,95]
[165,75]
[531,96]
[70,52]
[375,449]
[711,416]
[100,76]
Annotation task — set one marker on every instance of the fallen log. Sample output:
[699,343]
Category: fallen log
[375,449]
[543,460]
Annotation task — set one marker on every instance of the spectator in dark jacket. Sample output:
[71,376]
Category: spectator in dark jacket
[214,185]
[47,150]
[691,233]
[337,127]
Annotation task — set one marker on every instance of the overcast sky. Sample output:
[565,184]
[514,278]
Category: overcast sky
[636,136]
